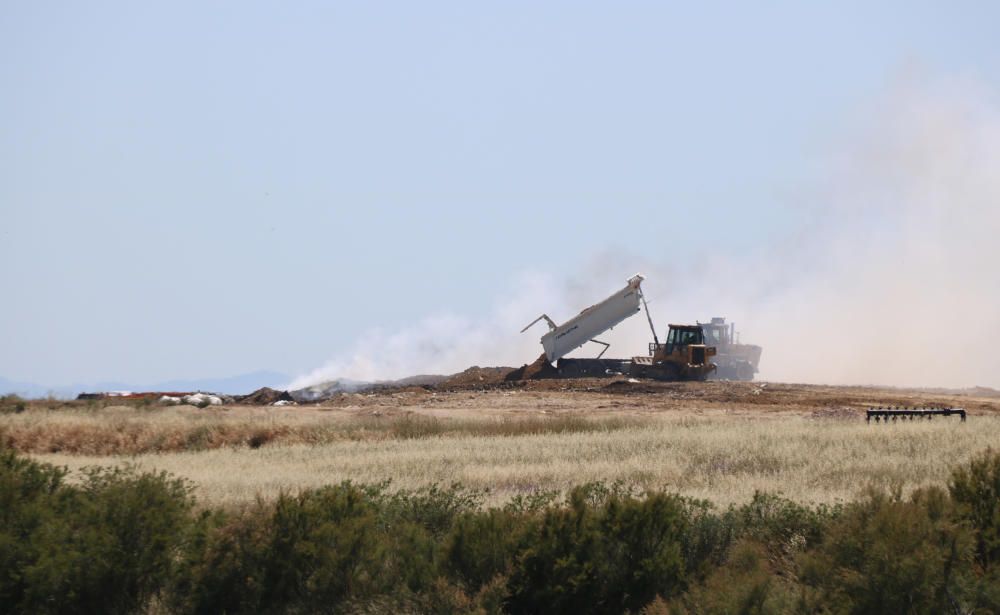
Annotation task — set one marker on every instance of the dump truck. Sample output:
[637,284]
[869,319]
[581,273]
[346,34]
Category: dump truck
[683,356]
[734,361]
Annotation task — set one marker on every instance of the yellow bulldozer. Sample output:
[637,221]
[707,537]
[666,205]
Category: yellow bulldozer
[684,356]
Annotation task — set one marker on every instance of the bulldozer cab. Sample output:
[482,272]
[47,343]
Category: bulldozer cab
[685,343]
[684,335]
[684,356]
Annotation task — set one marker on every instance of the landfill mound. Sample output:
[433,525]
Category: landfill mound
[421,380]
[477,376]
[979,391]
[265,397]
[538,370]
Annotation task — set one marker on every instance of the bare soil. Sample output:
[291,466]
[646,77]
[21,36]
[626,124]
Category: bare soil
[487,390]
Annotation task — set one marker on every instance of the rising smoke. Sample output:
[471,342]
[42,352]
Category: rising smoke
[905,288]
[893,279]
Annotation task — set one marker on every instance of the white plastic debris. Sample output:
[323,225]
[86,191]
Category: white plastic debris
[201,399]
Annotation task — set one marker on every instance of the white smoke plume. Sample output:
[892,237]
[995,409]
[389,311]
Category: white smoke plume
[894,278]
[447,343]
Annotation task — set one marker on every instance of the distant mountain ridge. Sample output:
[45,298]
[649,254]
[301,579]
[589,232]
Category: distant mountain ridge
[233,385]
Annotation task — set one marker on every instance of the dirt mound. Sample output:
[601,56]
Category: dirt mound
[420,380]
[983,392]
[477,376]
[538,370]
[265,397]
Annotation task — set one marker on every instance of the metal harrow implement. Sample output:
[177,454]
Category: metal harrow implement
[893,413]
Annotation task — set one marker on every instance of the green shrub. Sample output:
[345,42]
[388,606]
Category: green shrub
[482,546]
[889,555]
[309,552]
[222,569]
[435,508]
[744,584]
[12,404]
[26,488]
[23,481]
[784,528]
[609,557]
[533,502]
[708,536]
[975,488]
[105,546]
[123,541]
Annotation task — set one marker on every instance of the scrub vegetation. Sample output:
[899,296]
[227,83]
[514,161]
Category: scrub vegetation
[720,498]
[124,541]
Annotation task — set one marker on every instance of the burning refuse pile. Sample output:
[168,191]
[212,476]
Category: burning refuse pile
[475,376]
[326,390]
[266,396]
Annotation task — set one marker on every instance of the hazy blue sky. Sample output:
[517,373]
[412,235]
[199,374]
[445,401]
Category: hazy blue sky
[207,188]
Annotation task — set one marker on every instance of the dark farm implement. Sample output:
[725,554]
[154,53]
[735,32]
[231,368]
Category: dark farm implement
[904,414]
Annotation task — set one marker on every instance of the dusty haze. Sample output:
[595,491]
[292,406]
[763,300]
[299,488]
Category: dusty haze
[892,279]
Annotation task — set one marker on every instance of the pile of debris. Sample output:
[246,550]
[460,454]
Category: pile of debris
[201,400]
[130,395]
[538,370]
[326,390]
[477,376]
[172,398]
[267,397]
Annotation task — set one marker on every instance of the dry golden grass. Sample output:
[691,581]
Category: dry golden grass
[100,428]
[720,441]
[127,430]
[720,458]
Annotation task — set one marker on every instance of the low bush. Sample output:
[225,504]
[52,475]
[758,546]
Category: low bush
[26,490]
[483,546]
[309,551]
[887,554]
[745,583]
[601,557]
[434,508]
[975,489]
[124,541]
[12,404]
[105,545]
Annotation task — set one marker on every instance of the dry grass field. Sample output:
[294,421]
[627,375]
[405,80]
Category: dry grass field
[718,441]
